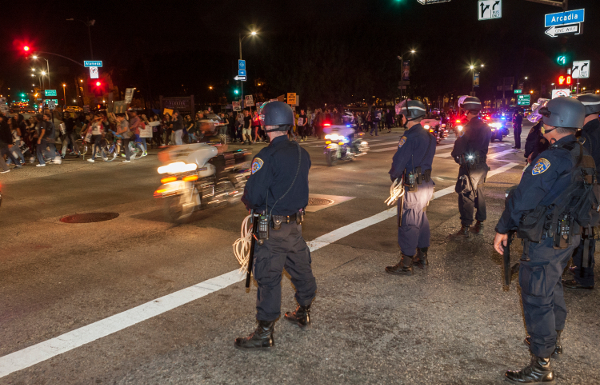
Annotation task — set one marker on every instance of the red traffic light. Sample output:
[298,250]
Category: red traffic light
[98,84]
[565,80]
[26,48]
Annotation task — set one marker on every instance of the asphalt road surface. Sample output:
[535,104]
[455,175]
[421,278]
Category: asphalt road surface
[137,300]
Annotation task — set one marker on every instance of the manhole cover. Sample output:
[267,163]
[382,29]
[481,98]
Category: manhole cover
[319,201]
[89,217]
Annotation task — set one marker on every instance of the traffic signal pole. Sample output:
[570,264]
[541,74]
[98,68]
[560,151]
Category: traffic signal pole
[241,82]
[564,3]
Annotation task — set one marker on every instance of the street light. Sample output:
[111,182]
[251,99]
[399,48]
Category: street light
[472,68]
[35,57]
[89,23]
[401,58]
[241,39]
[65,93]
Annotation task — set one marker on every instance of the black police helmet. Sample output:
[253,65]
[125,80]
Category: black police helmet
[591,103]
[472,103]
[563,112]
[277,114]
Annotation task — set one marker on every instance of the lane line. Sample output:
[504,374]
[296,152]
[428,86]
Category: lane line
[43,351]
[502,153]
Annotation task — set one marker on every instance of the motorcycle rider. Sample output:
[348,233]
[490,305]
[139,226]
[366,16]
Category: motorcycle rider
[470,152]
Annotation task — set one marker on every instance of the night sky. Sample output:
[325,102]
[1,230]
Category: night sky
[329,50]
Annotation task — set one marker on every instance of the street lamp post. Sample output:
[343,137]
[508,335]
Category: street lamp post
[401,58]
[35,57]
[241,39]
[64,94]
[472,68]
[89,23]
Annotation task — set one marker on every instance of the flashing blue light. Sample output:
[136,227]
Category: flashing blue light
[348,125]
[503,118]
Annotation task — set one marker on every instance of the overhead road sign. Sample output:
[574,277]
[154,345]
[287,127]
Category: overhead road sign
[489,9]
[564,29]
[240,78]
[524,100]
[518,91]
[425,2]
[92,63]
[581,69]
[50,92]
[568,17]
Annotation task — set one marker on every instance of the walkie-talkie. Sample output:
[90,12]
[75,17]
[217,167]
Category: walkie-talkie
[263,228]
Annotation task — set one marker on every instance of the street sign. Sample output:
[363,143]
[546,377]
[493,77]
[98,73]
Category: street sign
[129,95]
[475,79]
[568,17]
[425,2]
[50,92]
[571,28]
[93,72]
[518,91]
[240,78]
[581,69]
[490,9]
[92,63]
[561,92]
[291,98]
[241,64]
[524,100]
[249,100]
[242,73]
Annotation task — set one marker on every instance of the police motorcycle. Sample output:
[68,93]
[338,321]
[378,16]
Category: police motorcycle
[436,128]
[197,177]
[339,144]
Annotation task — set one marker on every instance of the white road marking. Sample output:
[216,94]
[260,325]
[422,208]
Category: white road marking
[43,351]
[501,154]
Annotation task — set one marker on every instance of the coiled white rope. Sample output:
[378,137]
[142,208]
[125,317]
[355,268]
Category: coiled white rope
[241,247]
[396,192]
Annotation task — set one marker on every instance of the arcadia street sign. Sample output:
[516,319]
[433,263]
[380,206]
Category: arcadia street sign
[489,9]
[568,17]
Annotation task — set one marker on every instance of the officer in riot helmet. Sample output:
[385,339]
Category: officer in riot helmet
[278,190]
[547,210]
[583,257]
[470,152]
[411,166]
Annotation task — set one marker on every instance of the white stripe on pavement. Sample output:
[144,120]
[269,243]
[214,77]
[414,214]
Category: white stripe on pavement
[43,351]
[501,154]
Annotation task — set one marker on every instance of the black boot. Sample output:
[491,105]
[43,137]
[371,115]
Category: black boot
[557,350]
[478,228]
[404,267]
[300,317]
[261,338]
[538,371]
[420,259]
[462,233]
[573,284]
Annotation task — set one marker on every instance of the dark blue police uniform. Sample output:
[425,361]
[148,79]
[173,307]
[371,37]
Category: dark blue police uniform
[473,143]
[273,172]
[416,149]
[584,275]
[541,264]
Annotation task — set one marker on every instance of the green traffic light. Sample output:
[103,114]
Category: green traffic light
[236,92]
[561,60]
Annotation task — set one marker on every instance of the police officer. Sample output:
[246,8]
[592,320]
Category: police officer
[278,187]
[470,152]
[517,127]
[583,257]
[536,209]
[412,163]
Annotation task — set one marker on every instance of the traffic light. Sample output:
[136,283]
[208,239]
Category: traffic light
[26,48]
[97,88]
[561,60]
[236,91]
[565,80]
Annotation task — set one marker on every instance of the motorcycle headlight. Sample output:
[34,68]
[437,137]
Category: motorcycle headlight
[177,167]
[426,127]
[460,128]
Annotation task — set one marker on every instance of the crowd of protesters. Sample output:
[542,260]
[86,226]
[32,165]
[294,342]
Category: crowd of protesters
[36,139]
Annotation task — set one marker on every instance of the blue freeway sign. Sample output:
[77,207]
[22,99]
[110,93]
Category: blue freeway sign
[92,63]
[568,17]
[241,64]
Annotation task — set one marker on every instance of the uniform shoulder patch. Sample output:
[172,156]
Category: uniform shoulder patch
[402,141]
[257,165]
[541,166]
